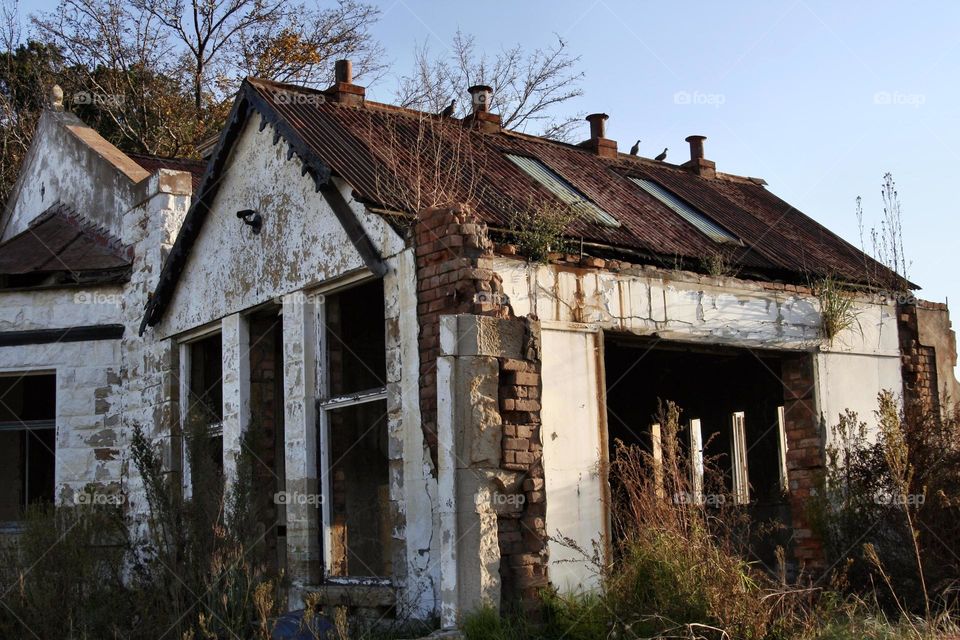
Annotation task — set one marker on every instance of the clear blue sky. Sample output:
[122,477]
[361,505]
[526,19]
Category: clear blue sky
[788,91]
[794,92]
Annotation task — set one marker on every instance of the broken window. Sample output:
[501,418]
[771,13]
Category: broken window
[203,415]
[266,436]
[206,379]
[353,438]
[27,443]
[731,421]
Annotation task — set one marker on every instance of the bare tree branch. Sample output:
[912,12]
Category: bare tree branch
[527,86]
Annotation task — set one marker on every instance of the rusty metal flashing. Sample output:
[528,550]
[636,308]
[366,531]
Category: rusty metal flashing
[87,333]
[247,101]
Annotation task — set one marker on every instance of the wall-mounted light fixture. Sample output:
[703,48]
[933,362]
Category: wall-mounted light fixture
[252,218]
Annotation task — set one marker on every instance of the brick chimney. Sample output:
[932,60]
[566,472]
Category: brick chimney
[343,90]
[480,116]
[598,142]
[697,163]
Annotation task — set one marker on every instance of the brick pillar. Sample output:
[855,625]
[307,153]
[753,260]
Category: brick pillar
[454,275]
[918,366]
[805,455]
[456,278]
[523,533]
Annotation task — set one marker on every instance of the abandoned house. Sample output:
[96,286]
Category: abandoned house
[431,378]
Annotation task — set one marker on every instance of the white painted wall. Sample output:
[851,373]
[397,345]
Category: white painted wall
[85,370]
[573,447]
[66,307]
[683,306]
[301,244]
[85,424]
[62,165]
[852,381]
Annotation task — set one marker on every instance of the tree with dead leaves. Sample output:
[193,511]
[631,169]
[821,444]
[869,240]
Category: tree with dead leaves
[527,85]
[162,73]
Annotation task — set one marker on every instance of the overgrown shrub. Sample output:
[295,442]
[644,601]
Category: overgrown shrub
[76,572]
[64,577]
[538,229]
[681,567]
[889,507]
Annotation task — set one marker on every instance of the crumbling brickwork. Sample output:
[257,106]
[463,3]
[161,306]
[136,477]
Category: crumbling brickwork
[456,276]
[805,455]
[523,533]
[918,364]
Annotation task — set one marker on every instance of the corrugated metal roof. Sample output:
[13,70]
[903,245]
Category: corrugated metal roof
[685,211]
[59,247]
[404,160]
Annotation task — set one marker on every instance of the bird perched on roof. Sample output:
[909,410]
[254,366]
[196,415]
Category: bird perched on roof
[635,149]
[446,113]
[662,156]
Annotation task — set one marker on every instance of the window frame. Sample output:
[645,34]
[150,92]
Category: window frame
[739,470]
[30,426]
[326,404]
[185,344]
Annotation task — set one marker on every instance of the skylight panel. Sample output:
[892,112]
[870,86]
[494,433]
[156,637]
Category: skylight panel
[685,211]
[563,190]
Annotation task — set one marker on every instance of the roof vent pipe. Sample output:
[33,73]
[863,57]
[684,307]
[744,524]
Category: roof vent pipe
[480,95]
[480,117]
[343,90]
[598,142]
[343,71]
[697,163]
[598,125]
[696,147]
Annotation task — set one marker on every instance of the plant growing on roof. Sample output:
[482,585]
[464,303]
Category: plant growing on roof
[886,242]
[838,310]
[721,264]
[538,229]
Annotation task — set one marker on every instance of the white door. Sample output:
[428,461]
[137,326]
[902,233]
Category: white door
[573,456]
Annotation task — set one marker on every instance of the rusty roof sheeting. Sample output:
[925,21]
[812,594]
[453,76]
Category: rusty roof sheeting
[59,242]
[390,155]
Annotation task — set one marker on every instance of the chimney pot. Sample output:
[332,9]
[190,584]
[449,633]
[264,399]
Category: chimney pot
[697,163]
[696,147]
[480,95]
[343,71]
[598,125]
